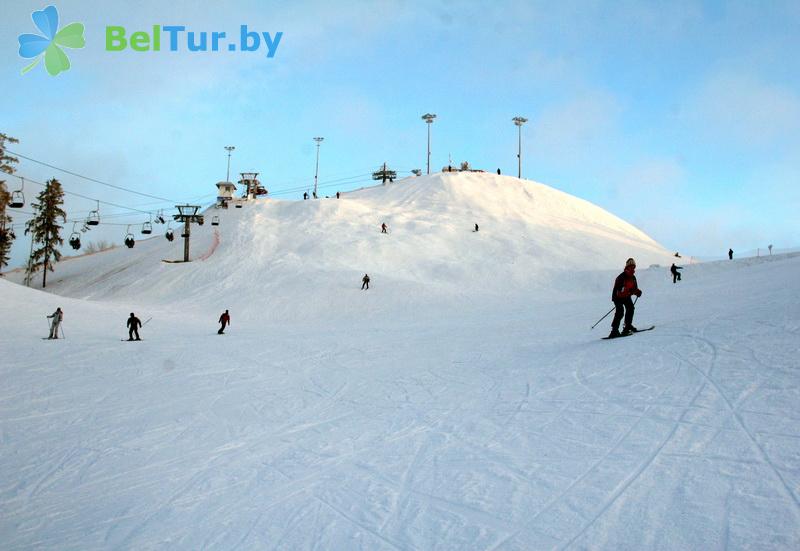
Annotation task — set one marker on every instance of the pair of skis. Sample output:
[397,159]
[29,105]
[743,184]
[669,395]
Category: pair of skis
[631,333]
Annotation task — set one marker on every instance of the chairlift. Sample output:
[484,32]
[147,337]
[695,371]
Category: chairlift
[160,217]
[129,239]
[215,221]
[94,216]
[238,205]
[75,238]
[168,235]
[147,227]
[17,197]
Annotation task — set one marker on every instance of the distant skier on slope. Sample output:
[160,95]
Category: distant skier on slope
[384,227]
[134,324]
[498,172]
[305,196]
[730,254]
[56,316]
[365,282]
[225,320]
[625,287]
[476,227]
[676,275]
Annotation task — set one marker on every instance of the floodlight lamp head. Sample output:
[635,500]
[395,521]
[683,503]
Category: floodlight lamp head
[318,140]
[428,117]
[519,121]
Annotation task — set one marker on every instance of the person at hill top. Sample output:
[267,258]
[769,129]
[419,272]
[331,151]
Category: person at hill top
[134,324]
[625,287]
[365,282]
[56,316]
[730,254]
[225,320]
[676,275]
[383,228]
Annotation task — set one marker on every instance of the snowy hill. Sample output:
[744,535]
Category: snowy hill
[306,258]
[455,405]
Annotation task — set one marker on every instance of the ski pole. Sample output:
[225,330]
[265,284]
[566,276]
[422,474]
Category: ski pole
[607,313]
[148,321]
[61,326]
[604,317]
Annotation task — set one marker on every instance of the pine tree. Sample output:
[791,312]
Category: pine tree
[6,231]
[45,229]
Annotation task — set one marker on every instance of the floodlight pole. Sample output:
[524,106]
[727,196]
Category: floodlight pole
[229,148]
[519,121]
[316,169]
[428,118]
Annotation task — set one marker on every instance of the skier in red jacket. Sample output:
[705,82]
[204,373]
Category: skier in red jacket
[625,287]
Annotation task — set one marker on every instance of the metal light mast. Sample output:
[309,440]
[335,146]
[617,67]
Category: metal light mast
[519,121]
[428,118]
[316,170]
[229,148]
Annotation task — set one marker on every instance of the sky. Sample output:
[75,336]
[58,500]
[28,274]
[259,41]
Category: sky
[680,117]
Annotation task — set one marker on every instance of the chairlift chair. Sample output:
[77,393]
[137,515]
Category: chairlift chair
[147,228]
[169,235]
[160,217]
[129,239]
[75,238]
[215,221]
[94,216]
[17,197]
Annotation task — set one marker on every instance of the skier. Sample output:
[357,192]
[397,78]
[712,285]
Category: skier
[134,324]
[676,275]
[225,320]
[730,254]
[56,316]
[337,194]
[498,172]
[476,227]
[305,196]
[383,228]
[624,287]
[365,282]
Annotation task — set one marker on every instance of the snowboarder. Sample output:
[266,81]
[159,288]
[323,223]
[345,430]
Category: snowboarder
[730,254]
[305,196]
[225,320]
[56,316]
[476,227]
[676,275]
[625,286]
[134,324]
[365,282]
[383,228]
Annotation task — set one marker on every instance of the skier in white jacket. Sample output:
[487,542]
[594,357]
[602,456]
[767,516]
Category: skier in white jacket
[56,316]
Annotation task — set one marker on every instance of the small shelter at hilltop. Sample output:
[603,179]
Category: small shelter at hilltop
[225,191]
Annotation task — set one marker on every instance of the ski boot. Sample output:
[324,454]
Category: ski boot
[614,334]
[628,329]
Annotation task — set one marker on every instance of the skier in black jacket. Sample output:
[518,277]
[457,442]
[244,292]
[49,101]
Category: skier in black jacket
[134,324]
[625,287]
[676,275]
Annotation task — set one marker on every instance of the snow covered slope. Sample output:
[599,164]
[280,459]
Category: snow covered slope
[302,259]
[461,403]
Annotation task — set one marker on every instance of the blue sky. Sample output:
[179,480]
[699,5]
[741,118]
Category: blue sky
[681,117]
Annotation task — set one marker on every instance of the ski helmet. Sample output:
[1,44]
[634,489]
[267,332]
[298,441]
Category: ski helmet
[630,262]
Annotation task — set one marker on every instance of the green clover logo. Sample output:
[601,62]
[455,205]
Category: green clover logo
[34,45]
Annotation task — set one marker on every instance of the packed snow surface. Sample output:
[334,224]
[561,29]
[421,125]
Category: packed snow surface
[460,403]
